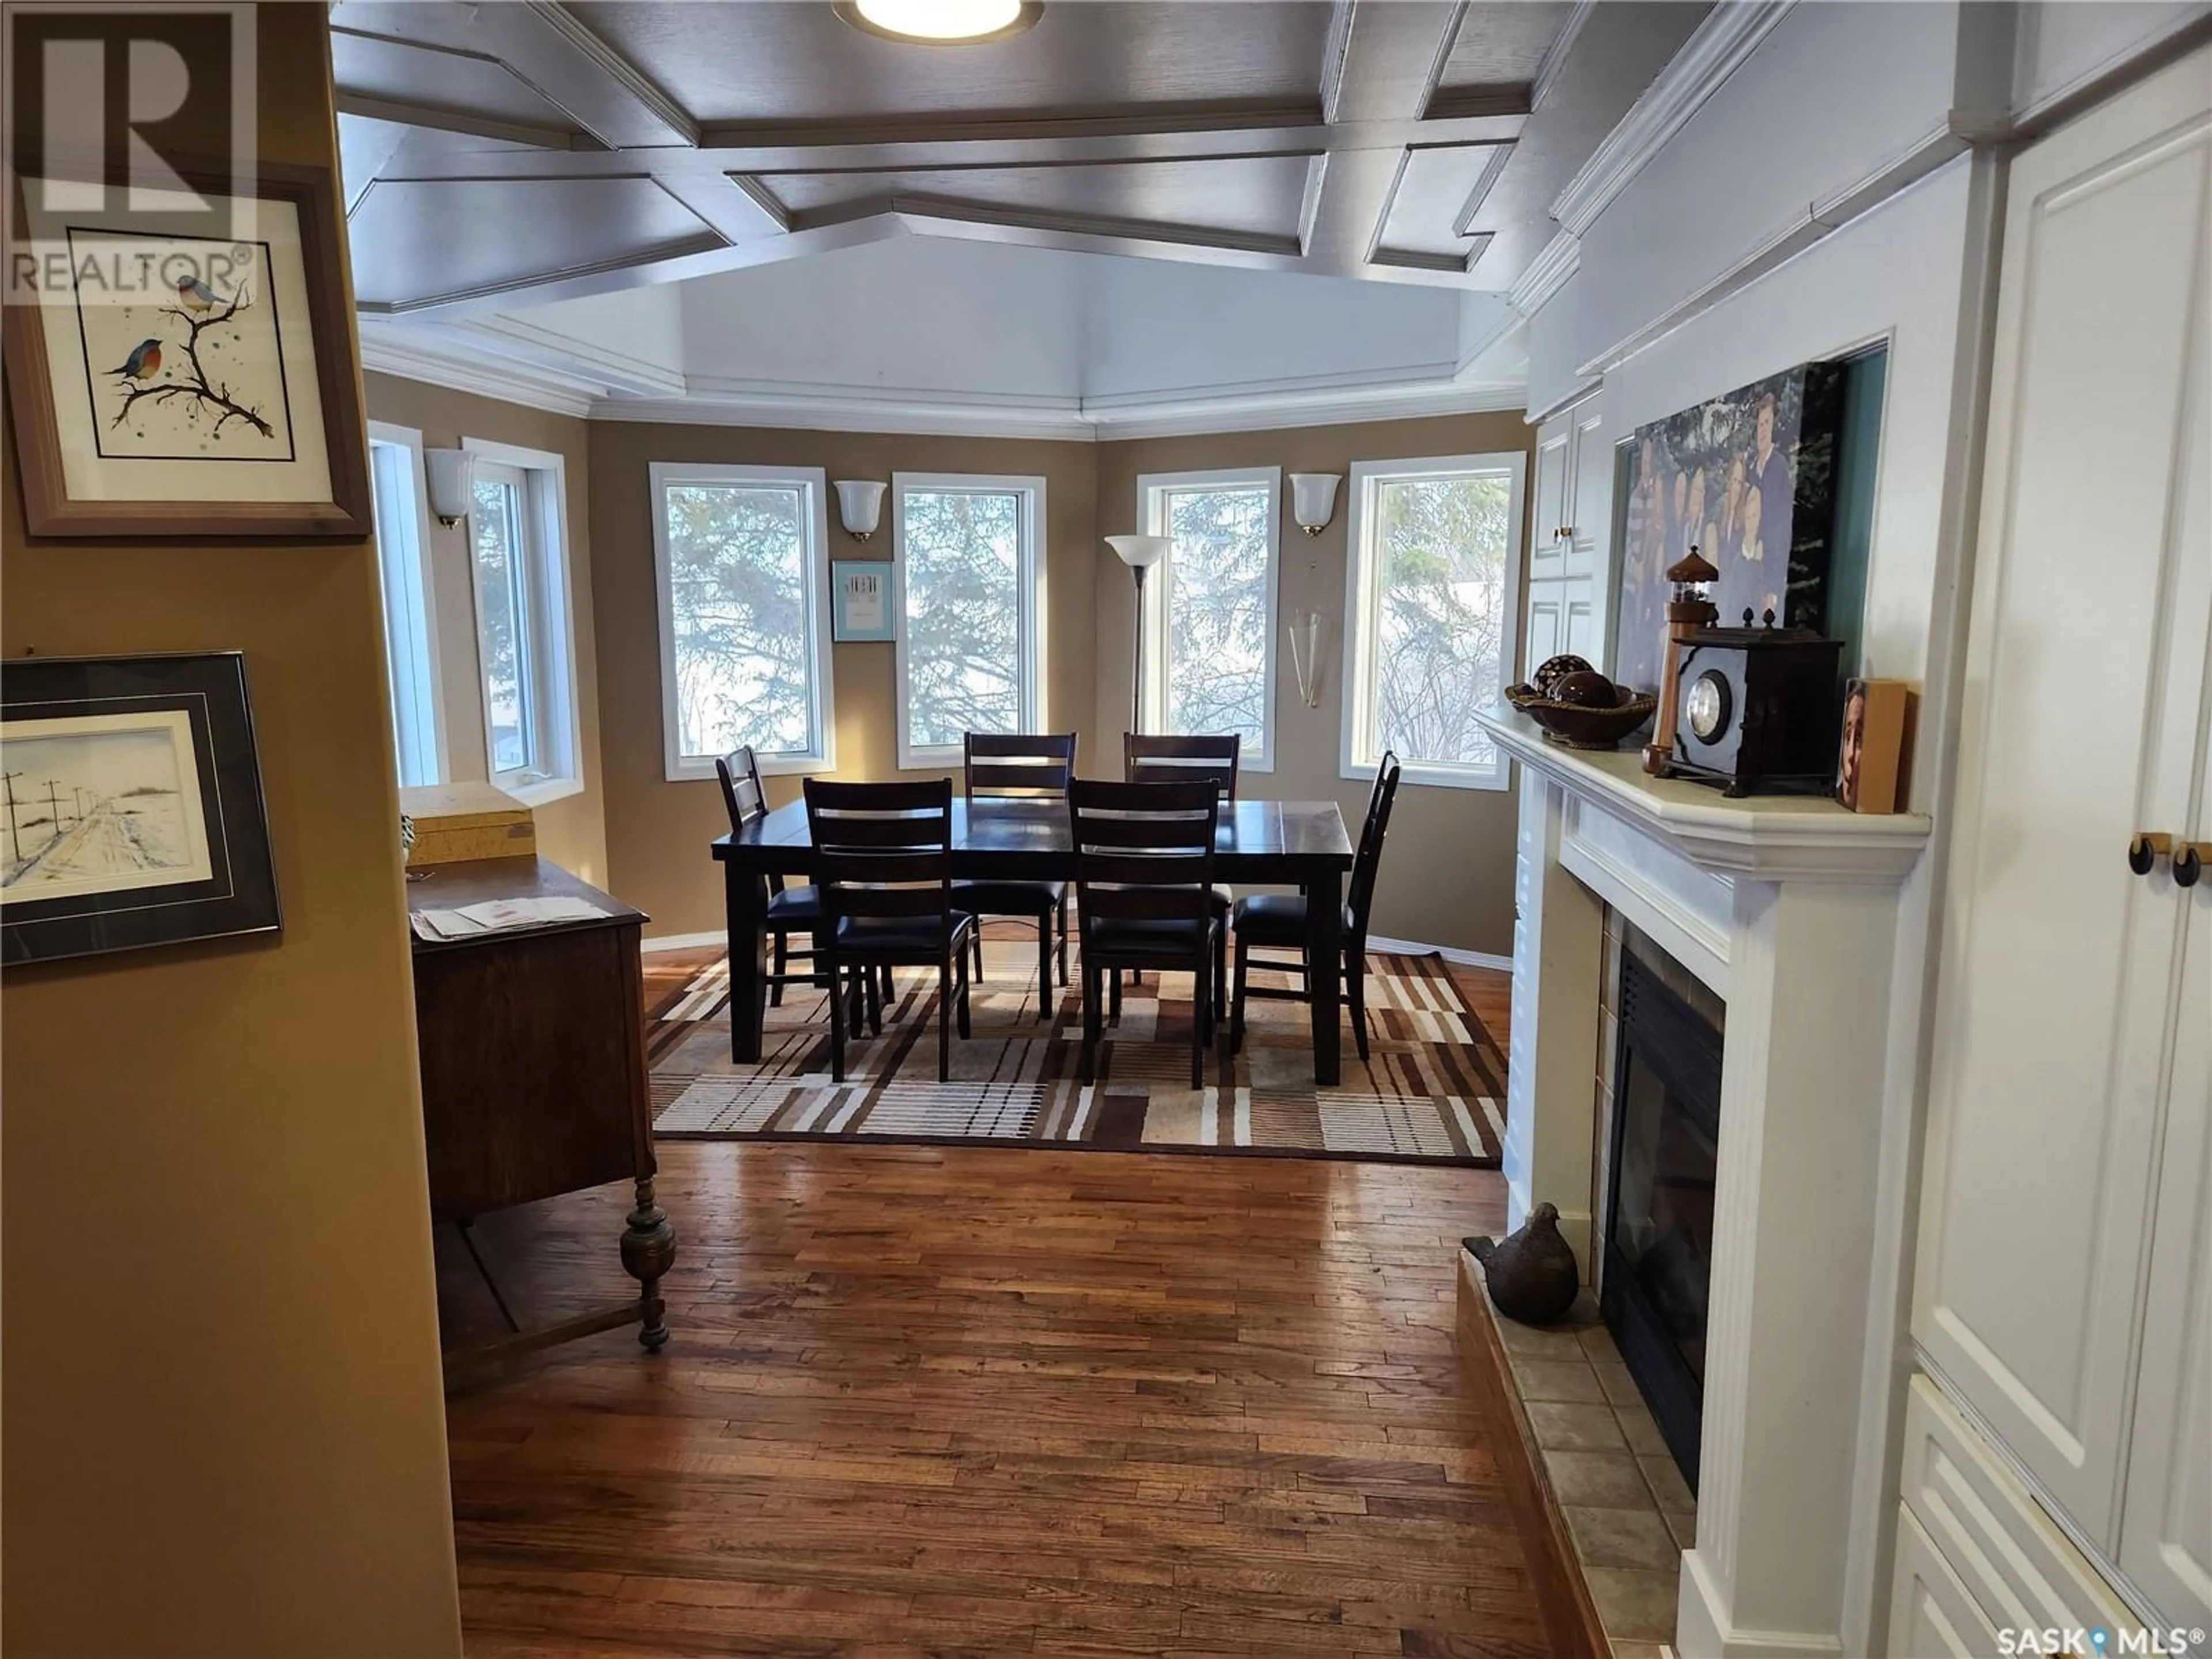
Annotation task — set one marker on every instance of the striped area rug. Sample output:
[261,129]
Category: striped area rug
[1433,1091]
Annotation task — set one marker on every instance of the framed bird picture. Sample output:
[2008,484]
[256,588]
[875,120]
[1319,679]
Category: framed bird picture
[176,359]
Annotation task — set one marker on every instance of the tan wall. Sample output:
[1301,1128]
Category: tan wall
[572,831]
[658,832]
[1447,876]
[224,1416]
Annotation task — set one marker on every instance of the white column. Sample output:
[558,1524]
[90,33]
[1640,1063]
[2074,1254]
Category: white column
[1800,1087]
[1551,1080]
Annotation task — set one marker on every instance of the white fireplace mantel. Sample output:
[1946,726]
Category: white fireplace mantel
[1770,837]
[1787,906]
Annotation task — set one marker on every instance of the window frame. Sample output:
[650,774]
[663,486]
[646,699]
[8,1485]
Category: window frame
[812,482]
[1361,609]
[1152,490]
[410,613]
[557,709]
[1028,629]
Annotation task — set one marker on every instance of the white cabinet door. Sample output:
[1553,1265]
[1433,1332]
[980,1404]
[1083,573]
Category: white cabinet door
[1581,621]
[1547,630]
[1930,1614]
[1547,547]
[2079,726]
[2165,1524]
[1589,490]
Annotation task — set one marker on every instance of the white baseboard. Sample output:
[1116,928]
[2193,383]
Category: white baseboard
[1451,953]
[685,941]
[1395,947]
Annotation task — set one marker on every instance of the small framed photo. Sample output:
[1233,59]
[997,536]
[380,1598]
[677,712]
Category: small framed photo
[170,382]
[1871,769]
[130,809]
[863,588]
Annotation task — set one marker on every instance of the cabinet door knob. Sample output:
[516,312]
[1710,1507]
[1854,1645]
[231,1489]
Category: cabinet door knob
[2189,862]
[2146,849]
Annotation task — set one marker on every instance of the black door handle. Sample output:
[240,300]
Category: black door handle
[2188,864]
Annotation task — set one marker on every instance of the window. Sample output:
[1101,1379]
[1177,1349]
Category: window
[967,581]
[403,534]
[1210,606]
[517,545]
[1431,604]
[745,625]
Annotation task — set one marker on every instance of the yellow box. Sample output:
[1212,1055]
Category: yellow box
[459,822]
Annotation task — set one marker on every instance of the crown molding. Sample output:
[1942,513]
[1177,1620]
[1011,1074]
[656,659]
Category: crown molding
[1716,48]
[475,358]
[437,363]
[1559,259]
[531,343]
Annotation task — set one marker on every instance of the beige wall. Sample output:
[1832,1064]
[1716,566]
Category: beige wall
[223,1414]
[572,831]
[657,831]
[1447,876]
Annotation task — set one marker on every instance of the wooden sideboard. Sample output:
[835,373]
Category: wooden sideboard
[532,1045]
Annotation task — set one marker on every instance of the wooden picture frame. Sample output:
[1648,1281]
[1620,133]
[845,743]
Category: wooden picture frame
[131,811]
[50,509]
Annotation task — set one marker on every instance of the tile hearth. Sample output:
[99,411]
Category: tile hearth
[1627,1511]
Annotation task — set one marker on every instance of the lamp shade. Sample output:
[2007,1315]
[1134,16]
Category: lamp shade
[859,506]
[450,476]
[1139,552]
[1313,500]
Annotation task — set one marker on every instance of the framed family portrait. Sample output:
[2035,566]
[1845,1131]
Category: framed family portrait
[172,383]
[1748,479]
[130,809]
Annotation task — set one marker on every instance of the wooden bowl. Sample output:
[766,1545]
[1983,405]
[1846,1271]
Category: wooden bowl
[1573,726]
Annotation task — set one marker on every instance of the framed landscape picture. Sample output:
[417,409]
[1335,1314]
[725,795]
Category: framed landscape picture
[165,383]
[1748,479]
[130,809]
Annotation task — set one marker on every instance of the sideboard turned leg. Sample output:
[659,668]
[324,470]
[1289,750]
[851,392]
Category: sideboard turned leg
[648,1250]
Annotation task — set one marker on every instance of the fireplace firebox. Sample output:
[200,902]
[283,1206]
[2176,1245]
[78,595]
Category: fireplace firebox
[1659,1211]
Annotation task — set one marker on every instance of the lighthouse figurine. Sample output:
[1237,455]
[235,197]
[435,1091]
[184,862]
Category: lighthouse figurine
[1689,608]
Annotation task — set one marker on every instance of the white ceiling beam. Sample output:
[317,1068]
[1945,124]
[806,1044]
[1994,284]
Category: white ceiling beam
[471,123]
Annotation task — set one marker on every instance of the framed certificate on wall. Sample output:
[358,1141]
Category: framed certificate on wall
[863,600]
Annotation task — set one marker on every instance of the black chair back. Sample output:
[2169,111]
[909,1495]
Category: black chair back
[1148,758]
[1368,859]
[882,851]
[741,787]
[1023,765]
[1144,852]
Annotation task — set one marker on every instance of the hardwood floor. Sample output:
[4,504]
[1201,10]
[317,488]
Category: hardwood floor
[974,1401]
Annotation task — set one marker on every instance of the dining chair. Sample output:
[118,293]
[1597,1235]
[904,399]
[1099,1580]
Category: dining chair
[1272,921]
[790,910]
[883,866]
[1019,767]
[1144,880]
[1150,757]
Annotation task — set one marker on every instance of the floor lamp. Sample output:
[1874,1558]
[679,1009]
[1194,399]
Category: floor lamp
[1140,554]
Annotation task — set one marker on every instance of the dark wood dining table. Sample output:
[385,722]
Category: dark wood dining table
[1288,844]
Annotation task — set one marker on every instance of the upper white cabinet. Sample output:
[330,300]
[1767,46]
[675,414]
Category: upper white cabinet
[1568,563]
[2064,1285]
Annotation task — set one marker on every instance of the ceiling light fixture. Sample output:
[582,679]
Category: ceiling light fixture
[941,22]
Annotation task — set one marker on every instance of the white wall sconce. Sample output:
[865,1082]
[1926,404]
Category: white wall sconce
[451,478]
[1313,500]
[859,506]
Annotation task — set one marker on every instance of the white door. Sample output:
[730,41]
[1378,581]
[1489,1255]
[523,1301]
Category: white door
[2079,726]
[1547,631]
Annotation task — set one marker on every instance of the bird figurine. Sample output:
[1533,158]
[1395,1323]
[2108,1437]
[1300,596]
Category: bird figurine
[1531,1273]
[194,294]
[144,363]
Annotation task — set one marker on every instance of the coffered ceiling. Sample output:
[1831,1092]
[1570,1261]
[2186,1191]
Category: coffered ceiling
[503,155]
